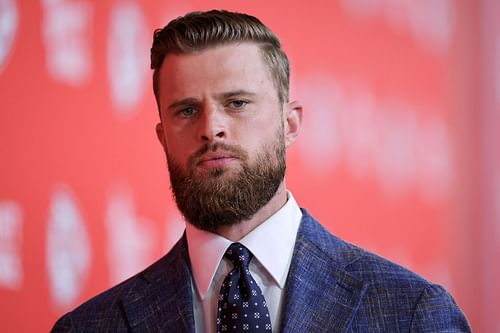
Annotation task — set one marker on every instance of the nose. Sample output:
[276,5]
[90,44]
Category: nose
[212,126]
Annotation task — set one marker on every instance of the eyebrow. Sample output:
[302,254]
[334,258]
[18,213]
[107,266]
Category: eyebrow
[182,102]
[225,95]
[234,93]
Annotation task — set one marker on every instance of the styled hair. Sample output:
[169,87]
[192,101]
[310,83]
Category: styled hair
[198,31]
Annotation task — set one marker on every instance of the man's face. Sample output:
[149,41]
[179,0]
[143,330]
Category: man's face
[223,132]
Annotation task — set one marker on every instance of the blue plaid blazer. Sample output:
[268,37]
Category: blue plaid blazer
[332,286]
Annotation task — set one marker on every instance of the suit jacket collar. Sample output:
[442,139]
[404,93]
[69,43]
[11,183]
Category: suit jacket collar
[161,299]
[320,294]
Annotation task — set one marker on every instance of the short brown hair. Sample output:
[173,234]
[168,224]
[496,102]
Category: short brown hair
[200,30]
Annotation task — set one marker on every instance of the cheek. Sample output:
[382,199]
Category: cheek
[261,138]
[173,147]
[180,147]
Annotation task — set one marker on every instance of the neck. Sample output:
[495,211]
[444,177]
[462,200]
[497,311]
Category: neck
[236,232]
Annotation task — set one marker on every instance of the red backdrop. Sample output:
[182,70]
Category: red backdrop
[399,151]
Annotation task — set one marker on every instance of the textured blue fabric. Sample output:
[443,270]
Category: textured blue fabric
[332,286]
[242,307]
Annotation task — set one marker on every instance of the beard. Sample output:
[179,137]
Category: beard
[224,197]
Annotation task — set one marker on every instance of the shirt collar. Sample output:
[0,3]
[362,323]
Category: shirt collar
[271,243]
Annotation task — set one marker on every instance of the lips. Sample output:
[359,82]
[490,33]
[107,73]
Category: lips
[216,159]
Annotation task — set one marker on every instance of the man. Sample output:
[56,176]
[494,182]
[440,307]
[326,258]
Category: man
[250,259]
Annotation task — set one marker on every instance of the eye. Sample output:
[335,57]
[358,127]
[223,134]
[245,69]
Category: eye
[237,104]
[187,112]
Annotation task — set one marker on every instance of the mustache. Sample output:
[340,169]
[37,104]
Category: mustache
[235,151]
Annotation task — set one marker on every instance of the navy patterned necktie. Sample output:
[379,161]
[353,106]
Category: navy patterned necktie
[242,307]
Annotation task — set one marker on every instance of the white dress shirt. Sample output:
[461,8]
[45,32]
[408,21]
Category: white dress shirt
[272,245]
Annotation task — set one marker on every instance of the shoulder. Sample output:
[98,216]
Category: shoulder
[107,307]
[358,262]
[390,290]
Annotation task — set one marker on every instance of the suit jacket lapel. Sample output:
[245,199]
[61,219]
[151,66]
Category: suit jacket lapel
[161,300]
[320,296]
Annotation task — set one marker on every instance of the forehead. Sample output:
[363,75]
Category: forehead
[230,66]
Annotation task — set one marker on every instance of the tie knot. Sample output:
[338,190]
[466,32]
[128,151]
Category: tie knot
[239,255]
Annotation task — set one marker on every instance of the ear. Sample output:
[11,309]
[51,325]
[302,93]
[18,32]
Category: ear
[161,135]
[293,121]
